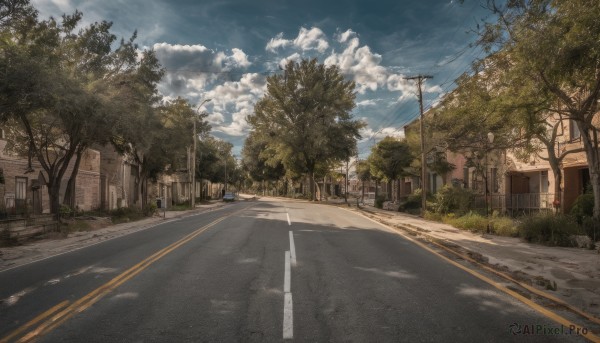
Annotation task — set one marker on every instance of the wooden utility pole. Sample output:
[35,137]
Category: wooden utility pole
[424,178]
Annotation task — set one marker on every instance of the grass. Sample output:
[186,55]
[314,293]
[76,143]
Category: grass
[75,225]
[501,226]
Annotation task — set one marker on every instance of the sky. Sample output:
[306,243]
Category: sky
[224,50]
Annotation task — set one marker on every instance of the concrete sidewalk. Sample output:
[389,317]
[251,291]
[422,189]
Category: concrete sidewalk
[575,271]
[39,249]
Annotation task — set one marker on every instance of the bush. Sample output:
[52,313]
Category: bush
[583,207]
[453,199]
[470,221]
[150,209]
[379,201]
[433,216]
[504,226]
[547,228]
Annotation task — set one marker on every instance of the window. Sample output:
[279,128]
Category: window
[544,181]
[574,130]
[494,180]
[21,188]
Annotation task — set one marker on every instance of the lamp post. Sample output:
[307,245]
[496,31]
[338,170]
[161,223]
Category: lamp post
[490,139]
[193,187]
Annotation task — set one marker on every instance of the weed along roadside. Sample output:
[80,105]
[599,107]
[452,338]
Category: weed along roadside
[565,277]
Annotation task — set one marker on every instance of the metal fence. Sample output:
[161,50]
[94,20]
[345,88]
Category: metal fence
[516,204]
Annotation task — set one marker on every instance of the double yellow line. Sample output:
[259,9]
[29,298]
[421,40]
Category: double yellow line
[57,315]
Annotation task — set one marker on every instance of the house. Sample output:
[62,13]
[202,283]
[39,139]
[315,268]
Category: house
[24,189]
[119,180]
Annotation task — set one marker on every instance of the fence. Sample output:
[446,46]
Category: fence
[18,229]
[516,204]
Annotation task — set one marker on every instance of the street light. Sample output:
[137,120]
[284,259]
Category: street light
[193,187]
[490,139]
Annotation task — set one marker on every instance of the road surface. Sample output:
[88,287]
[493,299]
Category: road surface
[260,271]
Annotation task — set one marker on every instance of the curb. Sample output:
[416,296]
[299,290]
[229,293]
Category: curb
[436,241]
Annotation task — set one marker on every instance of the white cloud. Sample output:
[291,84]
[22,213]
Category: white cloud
[343,37]
[293,57]
[238,99]
[313,39]
[361,63]
[190,69]
[277,42]
[369,102]
[368,133]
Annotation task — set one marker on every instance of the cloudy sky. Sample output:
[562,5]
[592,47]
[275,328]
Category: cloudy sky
[225,49]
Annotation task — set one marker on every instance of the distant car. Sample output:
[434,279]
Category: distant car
[229,197]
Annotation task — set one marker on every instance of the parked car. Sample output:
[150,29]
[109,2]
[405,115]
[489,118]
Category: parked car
[229,197]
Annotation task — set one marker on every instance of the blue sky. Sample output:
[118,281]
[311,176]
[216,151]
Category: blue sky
[224,50]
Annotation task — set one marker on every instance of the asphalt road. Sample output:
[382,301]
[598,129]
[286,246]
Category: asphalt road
[229,275]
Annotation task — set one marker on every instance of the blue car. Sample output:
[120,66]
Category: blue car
[228,197]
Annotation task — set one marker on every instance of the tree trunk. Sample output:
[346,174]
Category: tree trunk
[311,185]
[363,191]
[398,189]
[70,192]
[144,190]
[388,187]
[54,195]
[376,189]
[590,143]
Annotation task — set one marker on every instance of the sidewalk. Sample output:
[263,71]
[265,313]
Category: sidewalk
[34,250]
[575,271]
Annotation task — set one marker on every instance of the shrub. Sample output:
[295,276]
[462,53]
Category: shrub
[583,207]
[150,209]
[379,201]
[504,226]
[433,216]
[470,221]
[550,229]
[453,199]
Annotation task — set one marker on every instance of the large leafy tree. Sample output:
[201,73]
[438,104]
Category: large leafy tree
[305,117]
[554,44]
[65,89]
[389,159]
[259,161]
[53,88]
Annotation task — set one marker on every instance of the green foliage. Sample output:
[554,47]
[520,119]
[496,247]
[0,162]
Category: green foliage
[150,209]
[548,228]
[126,214]
[65,87]
[453,199]
[305,118]
[583,207]
[379,201]
[470,221]
[389,158]
[65,211]
[412,202]
[504,226]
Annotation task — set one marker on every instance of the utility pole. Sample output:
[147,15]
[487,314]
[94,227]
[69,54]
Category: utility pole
[193,166]
[424,179]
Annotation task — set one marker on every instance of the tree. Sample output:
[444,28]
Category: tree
[259,161]
[389,159]
[363,171]
[554,44]
[52,89]
[305,117]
